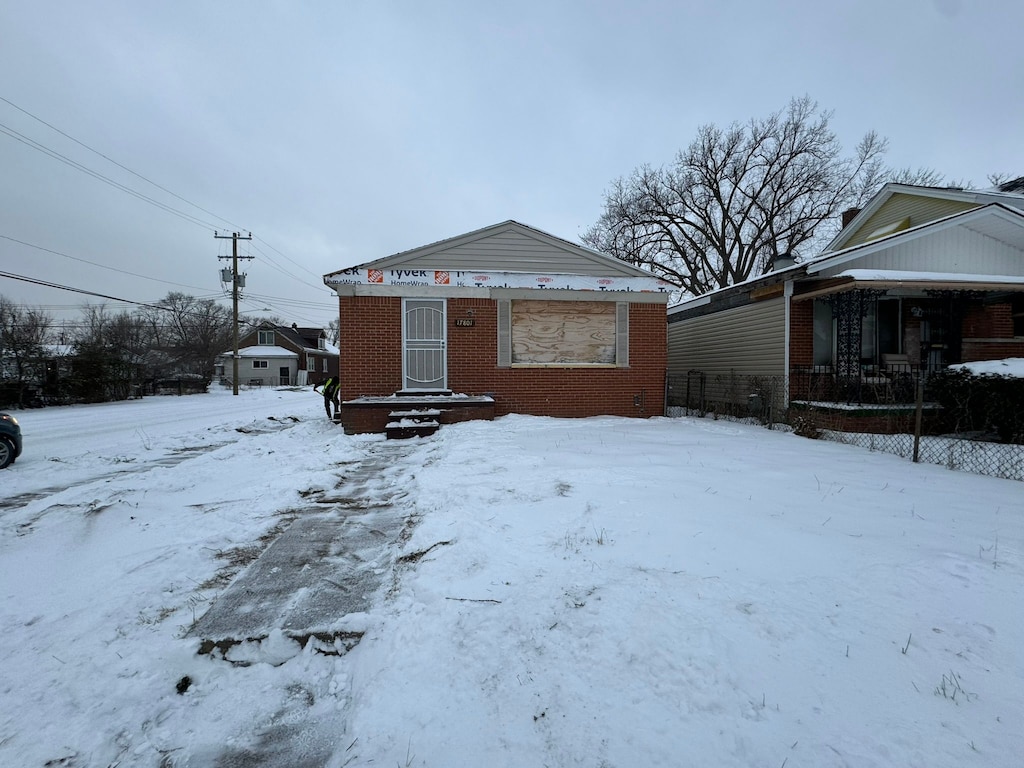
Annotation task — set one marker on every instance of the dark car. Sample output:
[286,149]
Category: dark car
[10,440]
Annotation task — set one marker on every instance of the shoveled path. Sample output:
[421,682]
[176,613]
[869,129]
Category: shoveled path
[330,562]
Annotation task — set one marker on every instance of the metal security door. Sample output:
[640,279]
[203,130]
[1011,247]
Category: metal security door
[425,363]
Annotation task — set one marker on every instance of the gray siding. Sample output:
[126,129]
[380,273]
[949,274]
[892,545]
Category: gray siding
[748,340]
[955,249]
[509,251]
[919,209]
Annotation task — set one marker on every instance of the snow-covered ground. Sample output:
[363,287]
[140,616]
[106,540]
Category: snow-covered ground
[1012,367]
[593,592]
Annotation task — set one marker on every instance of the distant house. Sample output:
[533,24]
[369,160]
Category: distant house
[278,355]
[922,277]
[513,318]
[43,377]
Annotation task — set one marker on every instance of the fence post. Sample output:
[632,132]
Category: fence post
[919,406]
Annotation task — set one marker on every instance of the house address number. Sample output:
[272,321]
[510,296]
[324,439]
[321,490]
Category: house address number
[464,322]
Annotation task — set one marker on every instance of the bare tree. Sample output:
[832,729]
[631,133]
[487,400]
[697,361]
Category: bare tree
[110,351]
[737,198]
[333,331]
[23,332]
[192,331]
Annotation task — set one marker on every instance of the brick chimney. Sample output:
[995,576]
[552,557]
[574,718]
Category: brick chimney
[782,261]
[848,215]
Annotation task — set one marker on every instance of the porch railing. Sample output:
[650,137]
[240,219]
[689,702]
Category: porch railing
[894,384]
[754,395]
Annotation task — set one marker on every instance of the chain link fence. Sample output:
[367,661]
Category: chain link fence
[886,419]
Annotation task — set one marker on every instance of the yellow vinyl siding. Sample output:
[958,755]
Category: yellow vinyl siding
[919,209]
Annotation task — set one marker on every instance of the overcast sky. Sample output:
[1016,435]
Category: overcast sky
[342,132]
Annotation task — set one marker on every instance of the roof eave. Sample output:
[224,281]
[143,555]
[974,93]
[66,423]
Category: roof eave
[846,284]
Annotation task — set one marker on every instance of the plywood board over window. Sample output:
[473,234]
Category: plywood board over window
[563,333]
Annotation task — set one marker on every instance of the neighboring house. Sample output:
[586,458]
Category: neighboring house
[922,277]
[276,355]
[507,314]
[44,377]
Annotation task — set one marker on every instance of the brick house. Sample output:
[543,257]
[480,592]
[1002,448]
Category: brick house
[505,319]
[279,355]
[921,278]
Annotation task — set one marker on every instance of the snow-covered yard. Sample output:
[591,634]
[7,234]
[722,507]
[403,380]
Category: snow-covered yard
[595,592]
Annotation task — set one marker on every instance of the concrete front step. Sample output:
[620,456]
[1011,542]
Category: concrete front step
[411,427]
[373,414]
[417,415]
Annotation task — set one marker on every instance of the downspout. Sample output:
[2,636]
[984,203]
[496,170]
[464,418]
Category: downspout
[785,363]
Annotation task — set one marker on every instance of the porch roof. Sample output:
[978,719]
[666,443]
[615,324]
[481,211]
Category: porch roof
[261,351]
[889,279]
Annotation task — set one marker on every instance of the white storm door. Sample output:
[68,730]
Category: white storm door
[425,362]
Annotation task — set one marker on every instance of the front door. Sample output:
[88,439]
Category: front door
[425,364]
[285,375]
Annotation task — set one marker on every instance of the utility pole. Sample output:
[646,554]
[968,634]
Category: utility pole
[234,237]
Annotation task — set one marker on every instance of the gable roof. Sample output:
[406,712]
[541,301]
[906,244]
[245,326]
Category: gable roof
[1010,194]
[507,247]
[301,338]
[995,221]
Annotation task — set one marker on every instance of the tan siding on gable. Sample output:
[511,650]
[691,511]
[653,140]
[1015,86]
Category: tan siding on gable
[748,340]
[507,251]
[919,209]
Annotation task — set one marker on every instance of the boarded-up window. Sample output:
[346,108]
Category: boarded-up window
[564,333]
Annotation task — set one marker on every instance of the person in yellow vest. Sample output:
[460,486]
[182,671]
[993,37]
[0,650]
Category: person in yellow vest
[330,392]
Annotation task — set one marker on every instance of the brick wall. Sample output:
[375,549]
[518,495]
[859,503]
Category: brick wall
[992,321]
[371,362]
[371,345]
[988,333]
[801,332]
[978,349]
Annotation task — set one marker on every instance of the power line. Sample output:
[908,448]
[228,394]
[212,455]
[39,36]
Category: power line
[281,269]
[128,190]
[99,176]
[300,266]
[48,284]
[101,266]
[111,160]
[206,294]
